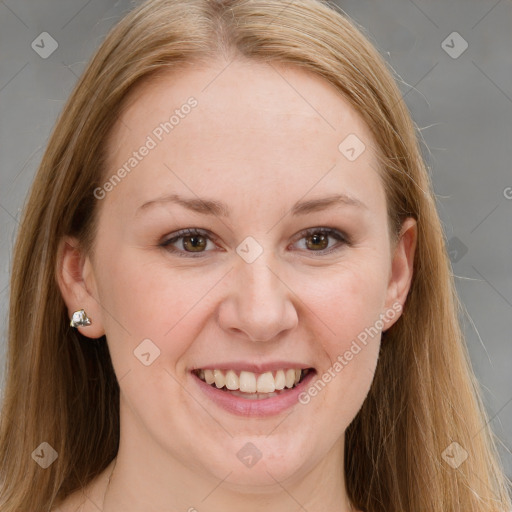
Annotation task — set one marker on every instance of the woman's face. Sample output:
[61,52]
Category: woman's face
[250,156]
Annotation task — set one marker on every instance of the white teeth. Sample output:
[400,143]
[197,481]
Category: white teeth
[219,378]
[266,383]
[248,382]
[280,380]
[232,381]
[208,376]
[290,378]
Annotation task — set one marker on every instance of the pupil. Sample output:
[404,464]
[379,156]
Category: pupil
[193,240]
[319,238]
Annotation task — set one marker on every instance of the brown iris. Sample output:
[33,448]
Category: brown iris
[317,238]
[196,242]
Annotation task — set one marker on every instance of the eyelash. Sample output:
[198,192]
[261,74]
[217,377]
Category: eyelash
[334,233]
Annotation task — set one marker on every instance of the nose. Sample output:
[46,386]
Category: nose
[260,304]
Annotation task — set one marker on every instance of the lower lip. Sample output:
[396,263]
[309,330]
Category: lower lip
[262,407]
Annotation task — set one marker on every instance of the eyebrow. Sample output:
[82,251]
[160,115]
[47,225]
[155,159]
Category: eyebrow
[212,207]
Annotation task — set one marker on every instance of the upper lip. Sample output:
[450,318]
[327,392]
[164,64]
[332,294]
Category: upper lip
[253,367]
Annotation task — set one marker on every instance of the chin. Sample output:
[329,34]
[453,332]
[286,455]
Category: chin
[258,463]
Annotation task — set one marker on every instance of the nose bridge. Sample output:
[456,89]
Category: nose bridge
[261,305]
[258,281]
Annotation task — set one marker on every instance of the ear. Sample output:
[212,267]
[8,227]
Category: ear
[77,285]
[401,272]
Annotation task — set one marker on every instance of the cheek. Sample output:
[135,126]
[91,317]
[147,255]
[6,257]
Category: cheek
[144,298]
[349,305]
[340,390]
[347,299]
[343,381]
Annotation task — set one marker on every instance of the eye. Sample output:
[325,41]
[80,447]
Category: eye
[196,240]
[317,239]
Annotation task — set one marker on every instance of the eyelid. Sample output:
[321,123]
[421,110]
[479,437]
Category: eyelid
[342,237]
[335,233]
[166,243]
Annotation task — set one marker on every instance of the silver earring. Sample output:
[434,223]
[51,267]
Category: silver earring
[80,319]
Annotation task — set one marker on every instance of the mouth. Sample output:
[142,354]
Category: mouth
[253,386]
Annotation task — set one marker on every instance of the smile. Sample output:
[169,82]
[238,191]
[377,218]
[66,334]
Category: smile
[250,383]
[249,393]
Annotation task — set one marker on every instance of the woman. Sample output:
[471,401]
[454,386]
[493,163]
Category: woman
[231,288]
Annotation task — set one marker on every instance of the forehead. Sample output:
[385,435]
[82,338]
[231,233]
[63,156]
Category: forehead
[277,129]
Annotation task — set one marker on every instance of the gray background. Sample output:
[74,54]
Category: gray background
[462,105]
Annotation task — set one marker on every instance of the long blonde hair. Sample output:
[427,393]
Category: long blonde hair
[61,387]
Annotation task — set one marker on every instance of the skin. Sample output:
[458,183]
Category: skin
[259,143]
